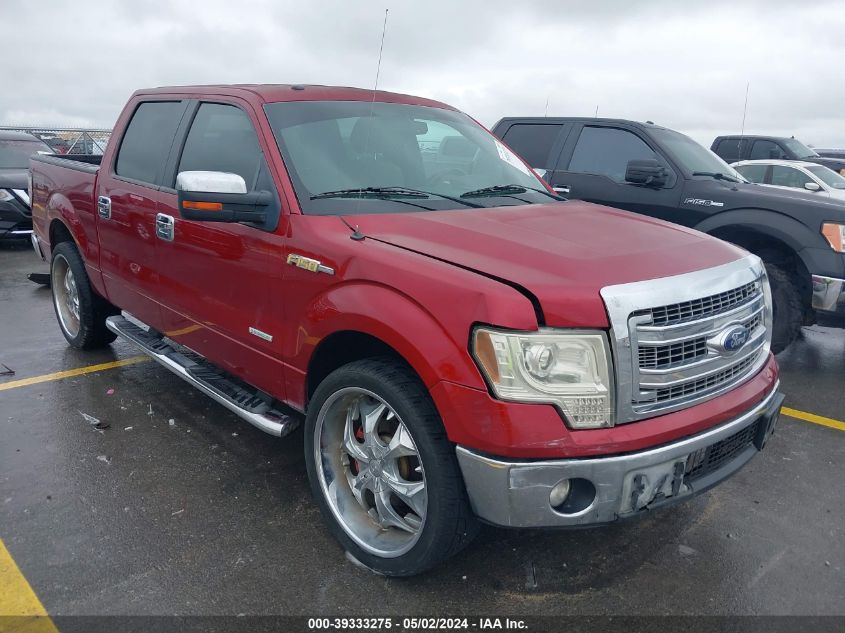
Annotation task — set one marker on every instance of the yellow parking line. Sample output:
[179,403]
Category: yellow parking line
[79,371]
[20,609]
[812,417]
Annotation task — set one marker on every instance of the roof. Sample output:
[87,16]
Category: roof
[584,119]
[773,161]
[271,93]
[765,137]
[6,135]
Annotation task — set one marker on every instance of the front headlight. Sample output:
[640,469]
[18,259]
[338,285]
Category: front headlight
[570,369]
[835,235]
[5,195]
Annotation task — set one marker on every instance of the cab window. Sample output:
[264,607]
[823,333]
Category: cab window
[766,149]
[606,151]
[789,177]
[222,138]
[533,141]
[147,140]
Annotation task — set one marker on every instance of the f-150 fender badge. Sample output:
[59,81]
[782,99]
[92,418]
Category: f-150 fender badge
[311,265]
[704,203]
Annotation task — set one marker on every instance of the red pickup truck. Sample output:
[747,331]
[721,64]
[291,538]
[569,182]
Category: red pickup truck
[463,343]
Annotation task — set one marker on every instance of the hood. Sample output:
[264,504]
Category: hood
[13,178]
[833,163]
[563,254]
[813,207]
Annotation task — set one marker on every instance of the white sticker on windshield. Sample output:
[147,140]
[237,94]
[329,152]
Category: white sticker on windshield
[512,159]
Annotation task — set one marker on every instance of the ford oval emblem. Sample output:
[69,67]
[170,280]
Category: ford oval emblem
[733,338]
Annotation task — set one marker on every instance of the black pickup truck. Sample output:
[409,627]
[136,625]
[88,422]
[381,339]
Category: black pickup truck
[656,171]
[735,148]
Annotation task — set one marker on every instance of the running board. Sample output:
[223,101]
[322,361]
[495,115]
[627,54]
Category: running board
[244,401]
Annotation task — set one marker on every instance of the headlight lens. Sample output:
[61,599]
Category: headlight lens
[5,195]
[568,369]
[835,235]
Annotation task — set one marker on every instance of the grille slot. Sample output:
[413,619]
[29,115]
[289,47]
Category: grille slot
[667,355]
[709,459]
[700,308]
[704,384]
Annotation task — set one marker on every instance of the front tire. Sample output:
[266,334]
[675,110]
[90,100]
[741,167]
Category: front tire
[788,312]
[382,470]
[80,311]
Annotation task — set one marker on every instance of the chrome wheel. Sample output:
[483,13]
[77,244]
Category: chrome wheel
[65,296]
[370,472]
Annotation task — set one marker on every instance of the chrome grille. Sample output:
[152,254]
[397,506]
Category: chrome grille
[675,355]
[660,356]
[704,307]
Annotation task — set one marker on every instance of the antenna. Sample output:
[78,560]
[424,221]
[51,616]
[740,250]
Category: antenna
[744,109]
[596,115]
[546,111]
[356,235]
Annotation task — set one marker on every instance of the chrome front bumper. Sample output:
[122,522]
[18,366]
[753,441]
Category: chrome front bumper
[829,294]
[604,489]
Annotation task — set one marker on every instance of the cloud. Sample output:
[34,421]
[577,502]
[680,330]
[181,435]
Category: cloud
[681,65]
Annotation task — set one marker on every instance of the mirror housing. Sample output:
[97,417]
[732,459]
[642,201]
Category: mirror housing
[812,186]
[216,196]
[648,172]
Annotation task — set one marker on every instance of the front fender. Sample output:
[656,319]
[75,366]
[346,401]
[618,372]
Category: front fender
[807,244]
[380,311]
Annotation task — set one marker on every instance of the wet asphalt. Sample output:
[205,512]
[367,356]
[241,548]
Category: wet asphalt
[179,507]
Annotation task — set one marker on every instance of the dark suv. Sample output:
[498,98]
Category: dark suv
[15,214]
[735,148]
[656,171]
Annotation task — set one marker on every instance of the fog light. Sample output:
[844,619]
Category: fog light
[559,493]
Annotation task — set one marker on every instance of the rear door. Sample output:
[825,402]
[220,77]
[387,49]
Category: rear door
[539,143]
[220,283]
[128,192]
[592,167]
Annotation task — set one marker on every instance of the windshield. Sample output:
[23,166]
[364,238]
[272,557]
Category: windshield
[799,149]
[362,157]
[692,156]
[827,176]
[15,154]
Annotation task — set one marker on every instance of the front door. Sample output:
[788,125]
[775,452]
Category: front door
[594,170]
[221,282]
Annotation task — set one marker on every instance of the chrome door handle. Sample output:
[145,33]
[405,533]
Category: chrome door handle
[104,207]
[164,226]
[561,188]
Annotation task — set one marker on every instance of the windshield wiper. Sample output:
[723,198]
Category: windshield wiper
[716,175]
[502,190]
[388,193]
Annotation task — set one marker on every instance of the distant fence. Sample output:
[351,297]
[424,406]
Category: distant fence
[66,140]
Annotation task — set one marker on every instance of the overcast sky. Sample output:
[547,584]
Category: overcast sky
[681,64]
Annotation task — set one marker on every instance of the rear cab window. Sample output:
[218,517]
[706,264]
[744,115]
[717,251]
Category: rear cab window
[729,149]
[147,141]
[533,141]
[763,149]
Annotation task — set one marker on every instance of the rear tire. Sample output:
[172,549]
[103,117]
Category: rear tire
[80,311]
[382,470]
[787,307]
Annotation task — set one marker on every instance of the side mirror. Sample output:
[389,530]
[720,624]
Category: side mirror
[216,196]
[648,172]
[812,186]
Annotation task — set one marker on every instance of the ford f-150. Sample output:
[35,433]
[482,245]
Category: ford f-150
[463,344]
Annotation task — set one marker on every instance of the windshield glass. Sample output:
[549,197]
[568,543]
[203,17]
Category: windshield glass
[362,157]
[827,176]
[799,149]
[692,156]
[14,154]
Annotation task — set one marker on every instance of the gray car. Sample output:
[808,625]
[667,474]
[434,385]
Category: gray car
[15,213]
